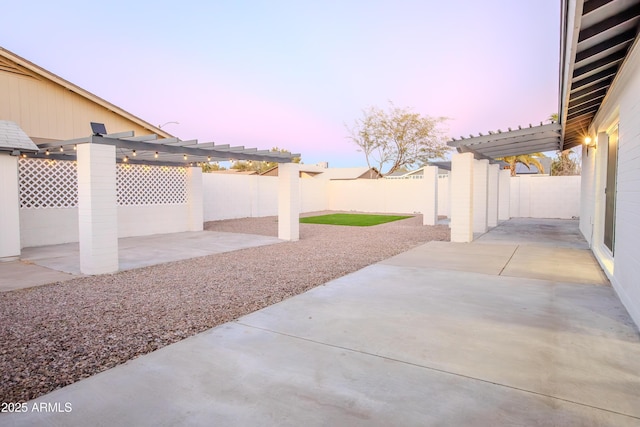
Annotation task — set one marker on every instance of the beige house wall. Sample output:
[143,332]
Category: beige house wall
[44,109]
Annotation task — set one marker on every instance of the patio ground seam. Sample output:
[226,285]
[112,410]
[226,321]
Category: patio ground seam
[509,260]
[430,368]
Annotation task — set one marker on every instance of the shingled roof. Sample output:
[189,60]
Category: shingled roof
[12,137]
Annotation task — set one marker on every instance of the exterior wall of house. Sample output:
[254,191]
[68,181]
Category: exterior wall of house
[587,193]
[541,196]
[621,108]
[44,109]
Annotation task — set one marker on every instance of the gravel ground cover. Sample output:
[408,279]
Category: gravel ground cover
[57,334]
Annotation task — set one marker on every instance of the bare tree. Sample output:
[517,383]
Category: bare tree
[398,137]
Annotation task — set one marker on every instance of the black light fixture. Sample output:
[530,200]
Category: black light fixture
[98,129]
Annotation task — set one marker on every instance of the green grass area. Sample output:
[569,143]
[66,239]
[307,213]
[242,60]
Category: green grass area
[359,220]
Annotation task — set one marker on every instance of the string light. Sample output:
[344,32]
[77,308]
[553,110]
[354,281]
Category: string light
[184,157]
[134,153]
[75,147]
[208,158]
[125,159]
[46,152]
[61,149]
[156,155]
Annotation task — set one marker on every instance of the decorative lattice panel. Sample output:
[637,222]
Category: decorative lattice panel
[151,185]
[46,183]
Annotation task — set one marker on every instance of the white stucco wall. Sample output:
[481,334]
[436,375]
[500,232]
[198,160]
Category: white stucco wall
[376,195]
[444,195]
[152,219]
[539,196]
[49,215]
[239,196]
[621,108]
[314,195]
[41,227]
[9,202]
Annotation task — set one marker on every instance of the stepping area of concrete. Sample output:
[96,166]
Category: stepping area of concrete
[445,334]
[48,264]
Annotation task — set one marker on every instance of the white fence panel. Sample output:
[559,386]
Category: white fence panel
[540,196]
[239,196]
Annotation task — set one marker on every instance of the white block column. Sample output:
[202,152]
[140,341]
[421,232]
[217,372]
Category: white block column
[289,201]
[492,195]
[504,195]
[195,199]
[462,197]
[97,208]
[9,207]
[430,210]
[480,193]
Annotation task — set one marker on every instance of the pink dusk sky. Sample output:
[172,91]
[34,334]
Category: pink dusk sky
[292,73]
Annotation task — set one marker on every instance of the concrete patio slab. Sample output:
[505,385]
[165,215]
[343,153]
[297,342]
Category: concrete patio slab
[407,341]
[540,232]
[489,259]
[22,274]
[556,264]
[568,341]
[236,375]
[143,251]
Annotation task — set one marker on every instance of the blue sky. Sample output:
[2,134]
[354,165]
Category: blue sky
[292,73]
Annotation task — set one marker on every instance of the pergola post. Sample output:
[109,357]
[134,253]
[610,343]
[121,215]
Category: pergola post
[97,208]
[492,195]
[480,184]
[430,210]
[462,197]
[195,199]
[504,196]
[289,201]
[9,207]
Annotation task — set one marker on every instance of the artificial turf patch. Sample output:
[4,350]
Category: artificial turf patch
[358,220]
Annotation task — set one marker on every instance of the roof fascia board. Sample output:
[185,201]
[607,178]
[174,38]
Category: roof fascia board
[571,13]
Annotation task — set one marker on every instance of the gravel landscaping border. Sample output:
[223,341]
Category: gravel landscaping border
[57,334]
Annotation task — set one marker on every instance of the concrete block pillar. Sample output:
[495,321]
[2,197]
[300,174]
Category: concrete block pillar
[195,199]
[480,195]
[462,197]
[97,208]
[9,208]
[504,195]
[492,195]
[289,201]
[430,210]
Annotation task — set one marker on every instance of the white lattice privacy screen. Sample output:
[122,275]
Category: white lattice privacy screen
[48,183]
[151,185]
